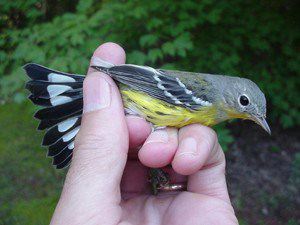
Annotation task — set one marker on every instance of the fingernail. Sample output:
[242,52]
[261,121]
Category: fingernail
[97,94]
[159,136]
[188,146]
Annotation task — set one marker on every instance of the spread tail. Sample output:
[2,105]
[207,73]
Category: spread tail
[60,95]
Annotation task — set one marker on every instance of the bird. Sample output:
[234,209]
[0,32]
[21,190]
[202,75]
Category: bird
[165,98]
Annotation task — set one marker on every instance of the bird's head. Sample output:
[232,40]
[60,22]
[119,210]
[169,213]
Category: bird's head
[244,99]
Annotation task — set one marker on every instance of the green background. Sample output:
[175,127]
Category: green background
[254,39]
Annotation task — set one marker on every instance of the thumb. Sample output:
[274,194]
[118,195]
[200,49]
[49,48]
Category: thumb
[102,144]
[92,186]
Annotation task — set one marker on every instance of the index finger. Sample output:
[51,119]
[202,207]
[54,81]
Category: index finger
[200,156]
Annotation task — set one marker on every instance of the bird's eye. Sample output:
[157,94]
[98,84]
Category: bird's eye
[244,101]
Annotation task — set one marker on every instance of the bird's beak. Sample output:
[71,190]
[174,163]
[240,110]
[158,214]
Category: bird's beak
[262,122]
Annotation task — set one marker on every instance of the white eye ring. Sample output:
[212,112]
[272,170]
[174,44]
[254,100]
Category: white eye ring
[244,100]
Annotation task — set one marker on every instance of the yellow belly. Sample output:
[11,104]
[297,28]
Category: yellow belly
[161,113]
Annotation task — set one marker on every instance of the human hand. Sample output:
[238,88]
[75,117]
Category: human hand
[106,184]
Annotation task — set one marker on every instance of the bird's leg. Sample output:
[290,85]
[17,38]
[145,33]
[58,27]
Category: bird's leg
[158,179]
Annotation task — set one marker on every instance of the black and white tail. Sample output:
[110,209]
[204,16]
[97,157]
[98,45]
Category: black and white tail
[60,95]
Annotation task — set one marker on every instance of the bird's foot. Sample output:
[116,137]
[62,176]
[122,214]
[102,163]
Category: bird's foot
[159,179]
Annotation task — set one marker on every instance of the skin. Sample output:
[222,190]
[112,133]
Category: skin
[107,180]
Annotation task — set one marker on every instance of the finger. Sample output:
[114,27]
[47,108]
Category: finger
[100,148]
[210,180]
[109,52]
[159,148]
[200,156]
[139,129]
[195,145]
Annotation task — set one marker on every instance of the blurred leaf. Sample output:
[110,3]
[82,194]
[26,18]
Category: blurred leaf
[136,57]
[84,5]
[169,48]
[148,40]
[154,55]
[224,136]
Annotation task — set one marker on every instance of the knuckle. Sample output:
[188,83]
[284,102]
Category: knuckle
[92,147]
[209,136]
[221,159]
[204,131]
[93,155]
[87,81]
[218,158]
[91,141]
[90,79]
[204,134]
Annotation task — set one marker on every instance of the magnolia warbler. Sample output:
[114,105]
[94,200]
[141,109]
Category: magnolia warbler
[162,97]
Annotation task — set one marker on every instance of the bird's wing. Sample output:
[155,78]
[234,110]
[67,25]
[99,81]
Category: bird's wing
[199,83]
[156,83]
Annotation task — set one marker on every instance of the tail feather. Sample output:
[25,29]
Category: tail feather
[57,100]
[48,90]
[48,123]
[62,149]
[60,111]
[59,130]
[58,147]
[38,72]
[63,159]
[61,96]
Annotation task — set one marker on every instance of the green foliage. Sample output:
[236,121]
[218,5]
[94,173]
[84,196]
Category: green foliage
[254,39]
[224,136]
[242,221]
[35,211]
[29,186]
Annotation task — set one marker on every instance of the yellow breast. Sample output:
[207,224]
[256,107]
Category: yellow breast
[161,113]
